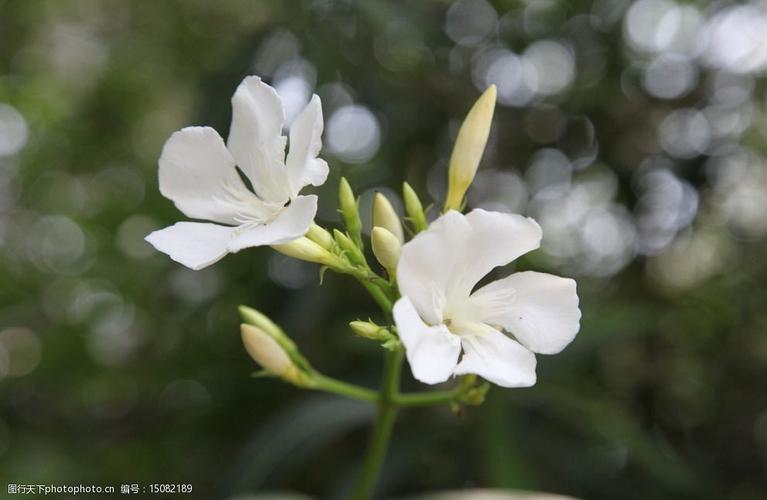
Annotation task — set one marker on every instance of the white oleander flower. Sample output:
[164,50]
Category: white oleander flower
[498,326]
[198,173]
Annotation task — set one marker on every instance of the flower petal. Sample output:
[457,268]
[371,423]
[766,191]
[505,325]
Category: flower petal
[193,244]
[432,351]
[440,266]
[539,309]
[197,173]
[292,223]
[498,359]
[256,140]
[305,143]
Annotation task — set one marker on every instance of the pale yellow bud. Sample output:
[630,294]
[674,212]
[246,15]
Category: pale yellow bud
[384,216]
[370,330]
[269,354]
[305,249]
[386,248]
[468,148]
[320,236]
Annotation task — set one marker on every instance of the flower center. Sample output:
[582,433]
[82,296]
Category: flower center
[465,328]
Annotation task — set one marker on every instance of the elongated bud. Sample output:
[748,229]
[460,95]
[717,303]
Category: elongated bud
[384,216]
[260,320]
[305,249]
[370,330]
[386,248]
[352,251]
[320,236]
[468,148]
[350,211]
[414,208]
[269,354]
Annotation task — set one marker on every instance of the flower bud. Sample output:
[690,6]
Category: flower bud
[269,354]
[370,330]
[305,249]
[384,216]
[260,320]
[386,248]
[345,243]
[350,211]
[413,208]
[320,236]
[468,148]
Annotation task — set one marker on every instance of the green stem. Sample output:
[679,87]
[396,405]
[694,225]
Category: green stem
[328,384]
[427,398]
[382,430]
[378,295]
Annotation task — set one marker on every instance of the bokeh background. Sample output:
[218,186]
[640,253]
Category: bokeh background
[635,132]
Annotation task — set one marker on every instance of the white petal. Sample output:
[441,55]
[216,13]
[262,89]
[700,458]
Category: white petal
[440,266]
[498,359]
[539,309]
[256,140]
[305,143]
[496,239]
[193,244]
[197,173]
[432,351]
[292,223]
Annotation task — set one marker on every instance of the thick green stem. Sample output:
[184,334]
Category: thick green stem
[328,384]
[378,295]
[382,430]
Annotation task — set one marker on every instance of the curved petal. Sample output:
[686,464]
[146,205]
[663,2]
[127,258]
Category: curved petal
[432,351]
[305,143]
[292,223]
[539,309]
[197,173]
[193,244]
[256,140]
[498,359]
[440,266]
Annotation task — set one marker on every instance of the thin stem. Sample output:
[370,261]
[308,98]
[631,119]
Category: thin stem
[329,384]
[427,398]
[382,430]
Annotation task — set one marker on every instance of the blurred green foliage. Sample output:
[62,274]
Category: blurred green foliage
[117,365]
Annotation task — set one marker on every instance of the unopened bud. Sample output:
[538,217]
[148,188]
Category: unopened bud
[260,320]
[370,330]
[305,249]
[386,248]
[352,251]
[320,236]
[350,211]
[414,208]
[468,148]
[384,216]
[269,354]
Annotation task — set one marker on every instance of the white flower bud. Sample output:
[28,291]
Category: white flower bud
[269,354]
[305,249]
[386,248]
[320,236]
[384,216]
[468,148]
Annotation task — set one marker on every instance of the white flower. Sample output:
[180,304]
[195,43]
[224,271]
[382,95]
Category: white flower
[197,172]
[498,326]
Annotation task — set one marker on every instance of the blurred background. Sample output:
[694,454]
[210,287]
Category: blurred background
[634,132]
